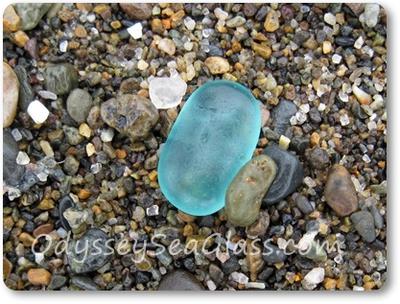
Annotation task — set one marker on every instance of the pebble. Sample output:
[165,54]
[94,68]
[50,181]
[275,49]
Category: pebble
[31,13]
[11,21]
[289,174]
[12,172]
[107,135]
[86,255]
[340,193]
[281,115]
[259,227]
[135,31]
[318,158]
[166,92]
[26,94]
[362,97]
[271,23]
[313,278]
[57,281]
[72,135]
[10,95]
[22,158]
[38,112]
[235,22]
[370,16]
[189,23]
[63,204]
[363,222]
[138,11]
[245,193]
[167,45]
[131,115]
[220,14]
[273,255]
[217,65]
[84,283]
[61,78]
[71,165]
[344,41]
[47,95]
[304,204]
[39,276]
[79,103]
[330,19]
[180,280]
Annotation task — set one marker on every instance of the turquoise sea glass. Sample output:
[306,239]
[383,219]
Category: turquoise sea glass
[214,135]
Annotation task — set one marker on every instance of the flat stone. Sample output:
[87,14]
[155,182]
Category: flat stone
[61,78]
[97,254]
[131,115]
[363,221]
[10,95]
[79,103]
[217,65]
[281,115]
[139,11]
[180,280]
[245,193]
[31,13]
[289,175]
[214,135]
[12,173]
[340,193]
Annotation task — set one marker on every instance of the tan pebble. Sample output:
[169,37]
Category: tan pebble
[115,24]
[11,20]
[185,217]
[46,148]
[362,97]
[340,193]
[86,7]
[262,50]
[84,194]
[217,65]
[329,283]
[326,47]
[26,239]
[90,149]
[46,204]
[39,276]
[120,153]
[314,139]
[20,38]
[10,95]
[80,31]
[85,130]
[271,23]
[7,268]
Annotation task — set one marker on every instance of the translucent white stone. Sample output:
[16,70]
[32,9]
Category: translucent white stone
[220,14]
[189,23]
[91,18]
[135,30]
[330,18]
[107,135]
[16,134]
[63,46]
[359,43]
[22,158]
[344,120]
[239,277]
[38,112]
[166,92]
[336,58]
[152,210]
[313,278]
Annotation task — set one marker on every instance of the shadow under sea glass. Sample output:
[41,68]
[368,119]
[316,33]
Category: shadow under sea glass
[214,135]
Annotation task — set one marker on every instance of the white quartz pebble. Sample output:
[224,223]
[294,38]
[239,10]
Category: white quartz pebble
[38,112]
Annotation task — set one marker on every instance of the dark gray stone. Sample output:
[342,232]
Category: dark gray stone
[303,204]
[26,94]
[84,283]
[281,116]
[90,252]
[79,103]
[272,254]
[289,176]
[318,158]
[57,281]
[180,280]
[12,172]
[363,221]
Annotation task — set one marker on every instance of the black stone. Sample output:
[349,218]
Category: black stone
[289,174]
[344,41]
[318,158]
[84,283]
[26,94]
